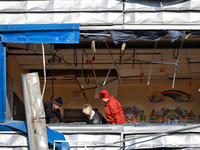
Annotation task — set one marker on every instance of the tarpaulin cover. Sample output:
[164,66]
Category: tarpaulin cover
[195,32]
[57,136]
[94,35]
[11,125]
[2,82]
[176,34]
[154,35]
[40,33]
[123,36]
[126,35]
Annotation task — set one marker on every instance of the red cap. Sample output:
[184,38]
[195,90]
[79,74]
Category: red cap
[104,94]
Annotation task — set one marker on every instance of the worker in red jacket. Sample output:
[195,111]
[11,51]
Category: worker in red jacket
[113,109]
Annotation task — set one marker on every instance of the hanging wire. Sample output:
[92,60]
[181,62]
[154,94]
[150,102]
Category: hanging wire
[75,57]
[98,89]
[75,76]
[87,80]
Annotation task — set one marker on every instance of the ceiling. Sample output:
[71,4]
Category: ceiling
[65,61]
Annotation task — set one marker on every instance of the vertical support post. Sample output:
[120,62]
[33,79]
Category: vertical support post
[98,88]
[3,83]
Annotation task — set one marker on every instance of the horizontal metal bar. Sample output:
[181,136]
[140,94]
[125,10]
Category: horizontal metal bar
[194,62]
[169,63]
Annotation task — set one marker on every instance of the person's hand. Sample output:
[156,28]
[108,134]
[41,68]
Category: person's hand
[61,123]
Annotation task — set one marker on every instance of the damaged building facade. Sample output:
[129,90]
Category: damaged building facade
[144,52]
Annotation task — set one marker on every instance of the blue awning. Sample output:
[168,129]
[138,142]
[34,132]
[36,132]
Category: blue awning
[40,33]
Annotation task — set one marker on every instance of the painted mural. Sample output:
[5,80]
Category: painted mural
[177,95]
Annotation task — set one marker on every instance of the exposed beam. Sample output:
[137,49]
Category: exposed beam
[87,72]
[189,44]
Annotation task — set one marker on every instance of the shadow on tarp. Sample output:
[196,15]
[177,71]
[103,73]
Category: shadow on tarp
[11,125]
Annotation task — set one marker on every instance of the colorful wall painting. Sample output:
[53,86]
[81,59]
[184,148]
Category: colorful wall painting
[157,97]
[177,95]
[134,115]
[172,115]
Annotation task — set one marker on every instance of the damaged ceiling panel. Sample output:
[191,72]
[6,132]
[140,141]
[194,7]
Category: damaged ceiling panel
[131,62]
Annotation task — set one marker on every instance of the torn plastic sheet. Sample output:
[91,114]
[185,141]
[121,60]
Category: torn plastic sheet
[176,34]
[126,35]
[154,35]
[195,32]
[123,36]
[94,35]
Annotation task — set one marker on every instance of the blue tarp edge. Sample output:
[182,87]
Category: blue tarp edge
[40,33]
[11,125]
[3,83]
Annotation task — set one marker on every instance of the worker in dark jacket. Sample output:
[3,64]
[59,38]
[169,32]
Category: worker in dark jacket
[53,109]
[93,116]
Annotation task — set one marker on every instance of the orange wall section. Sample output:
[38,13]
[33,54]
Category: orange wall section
[130,93]
[15,71]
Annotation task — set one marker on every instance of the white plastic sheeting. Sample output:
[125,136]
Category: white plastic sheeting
[61,5]
[32,100]
[105,14]
[109,136]
[162,18]
[106,137]
[43,18]
[13,140]
[175,5]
